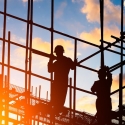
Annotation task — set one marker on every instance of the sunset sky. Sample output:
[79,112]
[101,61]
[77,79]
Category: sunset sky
[78,18]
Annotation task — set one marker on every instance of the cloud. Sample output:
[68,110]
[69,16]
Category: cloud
[68,47]
[18,55]
[41,45]
[17,39]
[94,35]
[92,10]
[87,104]
[60,10]
[115,84]
[44,46]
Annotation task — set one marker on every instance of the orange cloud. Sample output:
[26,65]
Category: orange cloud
[87,104]
[68,47]
[44,46]
[89,108]
[94,35]
[92,10]
[41,45]
[115,83]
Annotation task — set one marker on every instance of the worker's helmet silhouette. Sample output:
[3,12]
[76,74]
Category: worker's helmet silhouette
[102,71]
[59,48]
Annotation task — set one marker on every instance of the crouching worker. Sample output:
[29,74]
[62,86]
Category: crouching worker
[102,89]
[60,66]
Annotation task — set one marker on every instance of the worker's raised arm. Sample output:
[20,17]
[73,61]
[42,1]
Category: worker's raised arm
[109,76]
[73,64]
[94,88]
[51,64]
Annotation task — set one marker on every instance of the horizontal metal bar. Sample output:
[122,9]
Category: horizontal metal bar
[118,39]
[118,64]
[21,70]
[87,68]
[24,20]
[115,52]
[112,45]
[116,91]
[33,50]
[38,25]
[98,52]
[83,90]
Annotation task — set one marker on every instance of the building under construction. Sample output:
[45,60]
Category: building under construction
[19,101]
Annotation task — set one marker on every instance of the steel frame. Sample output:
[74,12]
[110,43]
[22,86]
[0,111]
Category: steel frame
[75,117]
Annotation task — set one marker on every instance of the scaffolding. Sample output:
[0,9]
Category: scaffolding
[19,101]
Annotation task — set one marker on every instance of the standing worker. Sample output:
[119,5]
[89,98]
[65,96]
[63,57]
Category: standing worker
[102,89]
[60,66]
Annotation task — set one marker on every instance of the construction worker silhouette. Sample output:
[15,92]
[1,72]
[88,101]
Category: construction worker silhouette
[103,102]
[61,67]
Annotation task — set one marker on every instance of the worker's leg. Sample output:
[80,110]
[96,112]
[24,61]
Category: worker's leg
[60,98]
[100,112]
[108,111]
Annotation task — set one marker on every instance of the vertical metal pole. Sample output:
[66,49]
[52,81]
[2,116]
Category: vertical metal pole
[26,57]
[39,91]
[30,53]
[3,52]
[8,73]
[35,102]
[52,26]
[120,100]
[4,36]
[7,81]
[74,96]
[70,98]
[121,69]
[6,99]
[52,14]
[39,99]
[1,103]
[27,40]
[101,23]
[33,122]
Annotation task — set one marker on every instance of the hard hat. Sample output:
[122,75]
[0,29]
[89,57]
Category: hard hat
[59,48]
[102,70]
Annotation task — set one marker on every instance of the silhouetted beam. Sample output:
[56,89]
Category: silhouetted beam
[82,90]
[39,76]
[87,68]
[119,39]
[116,91]
[113,45]
[42,53]
[105,48]
[116,66]
[58,32]
[48,55]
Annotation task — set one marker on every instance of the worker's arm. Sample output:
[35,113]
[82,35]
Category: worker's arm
[109,76]
[93,88]
[51,66]
[73,64]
